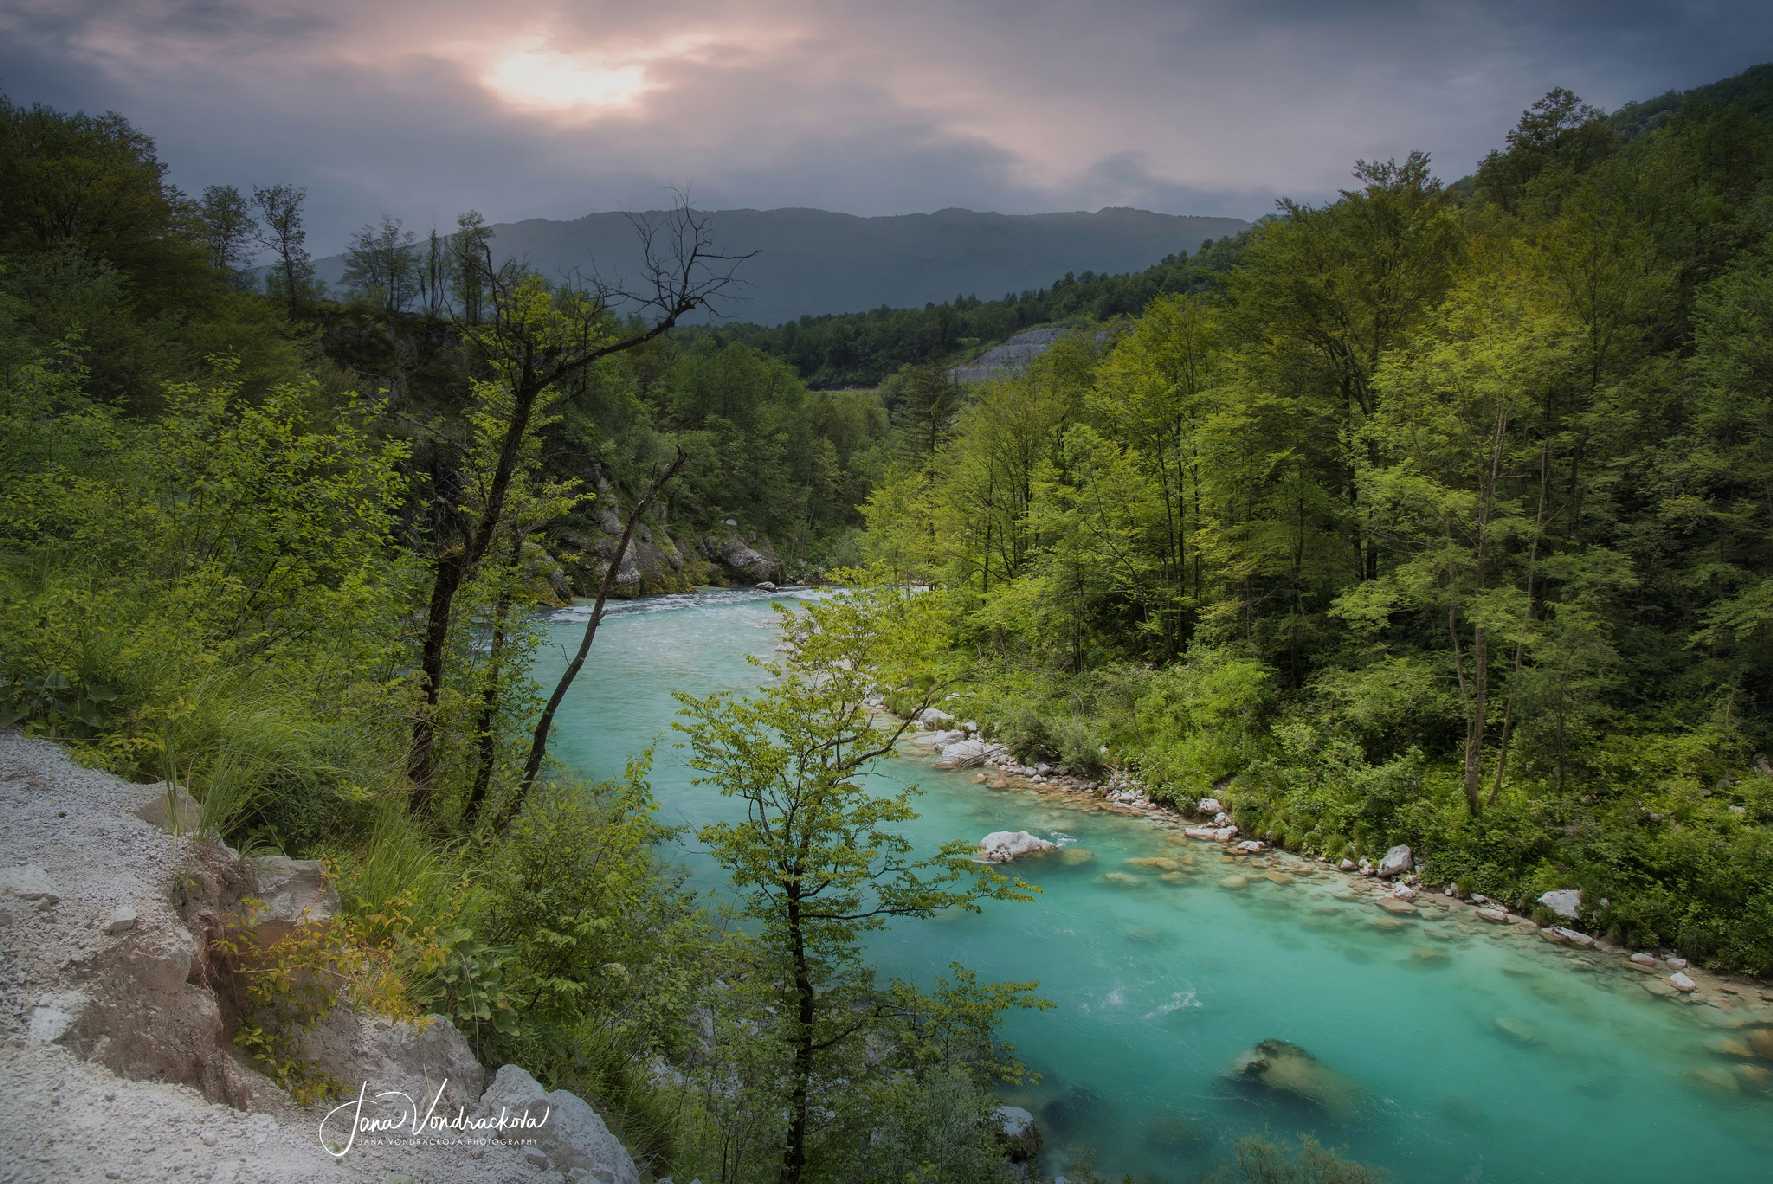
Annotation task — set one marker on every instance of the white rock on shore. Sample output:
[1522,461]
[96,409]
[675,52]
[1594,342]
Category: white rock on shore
[1396,862]
[1565,902]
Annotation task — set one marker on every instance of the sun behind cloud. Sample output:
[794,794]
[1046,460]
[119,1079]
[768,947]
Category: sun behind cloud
[548,80]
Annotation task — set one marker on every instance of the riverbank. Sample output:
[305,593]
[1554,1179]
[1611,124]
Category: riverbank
[1399,894]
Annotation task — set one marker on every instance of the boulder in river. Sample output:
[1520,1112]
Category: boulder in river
[1565,902]
[934,717]
[1002,846]
[1286,1068]
[1680,982]
[962,754]
[1494,916]
[1397,861]
[1208,807]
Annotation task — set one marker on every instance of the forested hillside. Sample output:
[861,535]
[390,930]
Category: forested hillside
[863,349]
[1445,517]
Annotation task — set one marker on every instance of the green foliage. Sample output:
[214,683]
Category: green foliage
[1438,502]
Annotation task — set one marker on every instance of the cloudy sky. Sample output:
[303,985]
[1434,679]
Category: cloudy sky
[554,109]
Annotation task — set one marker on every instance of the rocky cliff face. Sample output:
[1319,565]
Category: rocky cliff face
[115,1013]
[662,557]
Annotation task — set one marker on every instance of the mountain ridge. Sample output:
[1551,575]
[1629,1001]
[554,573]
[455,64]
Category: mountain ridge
[811,262]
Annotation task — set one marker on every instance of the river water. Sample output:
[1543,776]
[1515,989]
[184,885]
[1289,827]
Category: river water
[1468,1053]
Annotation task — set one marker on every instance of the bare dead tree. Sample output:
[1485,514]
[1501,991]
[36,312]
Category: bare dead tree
[681,273]
[538,745]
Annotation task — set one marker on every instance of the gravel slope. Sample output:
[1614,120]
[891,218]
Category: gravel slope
[64,1119]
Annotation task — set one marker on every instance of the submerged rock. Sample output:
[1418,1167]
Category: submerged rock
[1002,846]
[1071,1109]
[1518,1031]
[1286,1068]
[1494,916]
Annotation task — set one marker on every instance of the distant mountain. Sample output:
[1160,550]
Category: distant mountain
[814,261]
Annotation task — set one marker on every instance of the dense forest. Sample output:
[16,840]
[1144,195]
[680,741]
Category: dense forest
[864,349]
[1445,517]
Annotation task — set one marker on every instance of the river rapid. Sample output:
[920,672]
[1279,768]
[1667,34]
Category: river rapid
[1457,1051]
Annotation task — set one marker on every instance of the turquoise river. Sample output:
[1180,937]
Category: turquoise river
[1477,1054]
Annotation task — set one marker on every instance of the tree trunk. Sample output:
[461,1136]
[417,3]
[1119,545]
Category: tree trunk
[806,1012]
[452,569]
[489,696]
[1474,735]
[421,761]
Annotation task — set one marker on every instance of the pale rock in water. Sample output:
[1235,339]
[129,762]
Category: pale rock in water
[1565,902]
[1396,862]
[1403,892]
[1002,846]
[1209,807]
[934,717]
[1680,982]
[1571,937]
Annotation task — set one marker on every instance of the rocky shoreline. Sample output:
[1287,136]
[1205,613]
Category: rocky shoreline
[1394,885]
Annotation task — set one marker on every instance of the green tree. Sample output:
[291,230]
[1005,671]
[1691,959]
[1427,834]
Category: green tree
[818,858]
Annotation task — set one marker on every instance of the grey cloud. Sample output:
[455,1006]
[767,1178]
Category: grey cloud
[1210,106]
